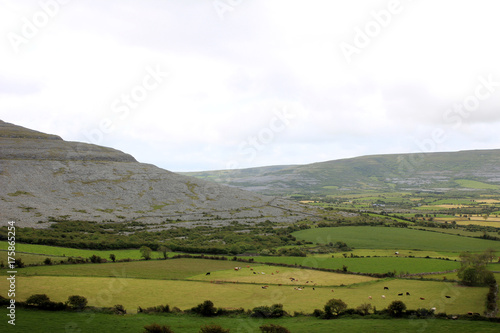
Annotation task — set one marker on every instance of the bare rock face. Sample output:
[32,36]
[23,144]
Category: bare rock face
[44,179]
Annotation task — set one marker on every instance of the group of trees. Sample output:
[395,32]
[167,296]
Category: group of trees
[473,270]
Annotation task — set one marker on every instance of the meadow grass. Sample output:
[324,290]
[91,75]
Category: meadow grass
[283,275]
[132,293]
[395,238]
[70,252]
[30,259]
[64,322]
[145,269]
[475,184]
[367,265]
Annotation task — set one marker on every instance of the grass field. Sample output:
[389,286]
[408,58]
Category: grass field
[395,238]
[69,252]
[132,293]
[151,269]
[64,322]
[367,265]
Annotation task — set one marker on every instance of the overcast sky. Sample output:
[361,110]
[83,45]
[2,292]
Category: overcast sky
[215,84]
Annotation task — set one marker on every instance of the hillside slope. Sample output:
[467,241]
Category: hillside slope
[458,171]
[44,179]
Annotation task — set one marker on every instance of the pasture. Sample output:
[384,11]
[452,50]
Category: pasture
[367,265]
[395,238]
[63,322]
[184,294]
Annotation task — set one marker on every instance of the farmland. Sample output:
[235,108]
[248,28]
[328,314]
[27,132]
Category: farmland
[49,322]
[421,259]
[394,238]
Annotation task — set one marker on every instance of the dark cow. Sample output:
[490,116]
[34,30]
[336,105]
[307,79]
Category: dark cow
[208,273]
[448,296]
[386,288]
[407,294]
[400,294]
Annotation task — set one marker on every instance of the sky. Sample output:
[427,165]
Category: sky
[191,85]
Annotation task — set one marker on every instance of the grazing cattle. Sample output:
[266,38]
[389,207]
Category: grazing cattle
[254,273]
[383,296]
[386,288]
[448,296]
[407,294]
[422,298]
[433,309]
[400,294]
[208,273]
[396,253]
[369,297]
[280,284]
[264,287]
[313,288]
[332,291]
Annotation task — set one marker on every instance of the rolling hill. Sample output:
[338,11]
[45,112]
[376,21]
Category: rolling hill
[435,172]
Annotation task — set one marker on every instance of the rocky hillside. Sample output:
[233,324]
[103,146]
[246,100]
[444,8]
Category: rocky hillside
[45,179]
[463,171]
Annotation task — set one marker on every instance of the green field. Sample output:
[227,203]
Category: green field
[171,269]
[132,293]
[367,265]
[69,252]
[64,322]
[475,184]
[395,238]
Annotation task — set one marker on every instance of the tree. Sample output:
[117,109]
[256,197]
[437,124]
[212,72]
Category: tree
[473,269]
[145,252]
[47,261]
[334,307]
[77,302]
[112,257]
[163,250]
[396,308]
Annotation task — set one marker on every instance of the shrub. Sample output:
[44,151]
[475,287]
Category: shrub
[156,328]
[274,311]
[206,309]
[95,259]
[213,329]
[318,313]
[112,257]
[364,308]
[77,302]
[37,299]
[119,309]
[155,309]
[396,308]
[272,328]
[47,261]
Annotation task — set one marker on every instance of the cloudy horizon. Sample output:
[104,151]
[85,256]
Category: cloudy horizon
[224,84]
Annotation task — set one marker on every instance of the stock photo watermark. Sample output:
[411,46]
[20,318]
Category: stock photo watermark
[249,148]
[454,116]
[11,273]
[122,106]
[32,26]
[363,36]
[224,6]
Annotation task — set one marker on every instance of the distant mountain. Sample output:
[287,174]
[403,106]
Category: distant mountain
[473,170]
[44,178]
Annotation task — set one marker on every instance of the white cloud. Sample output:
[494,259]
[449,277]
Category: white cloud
[228,76]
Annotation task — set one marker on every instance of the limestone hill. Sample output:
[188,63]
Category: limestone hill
[45,179]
